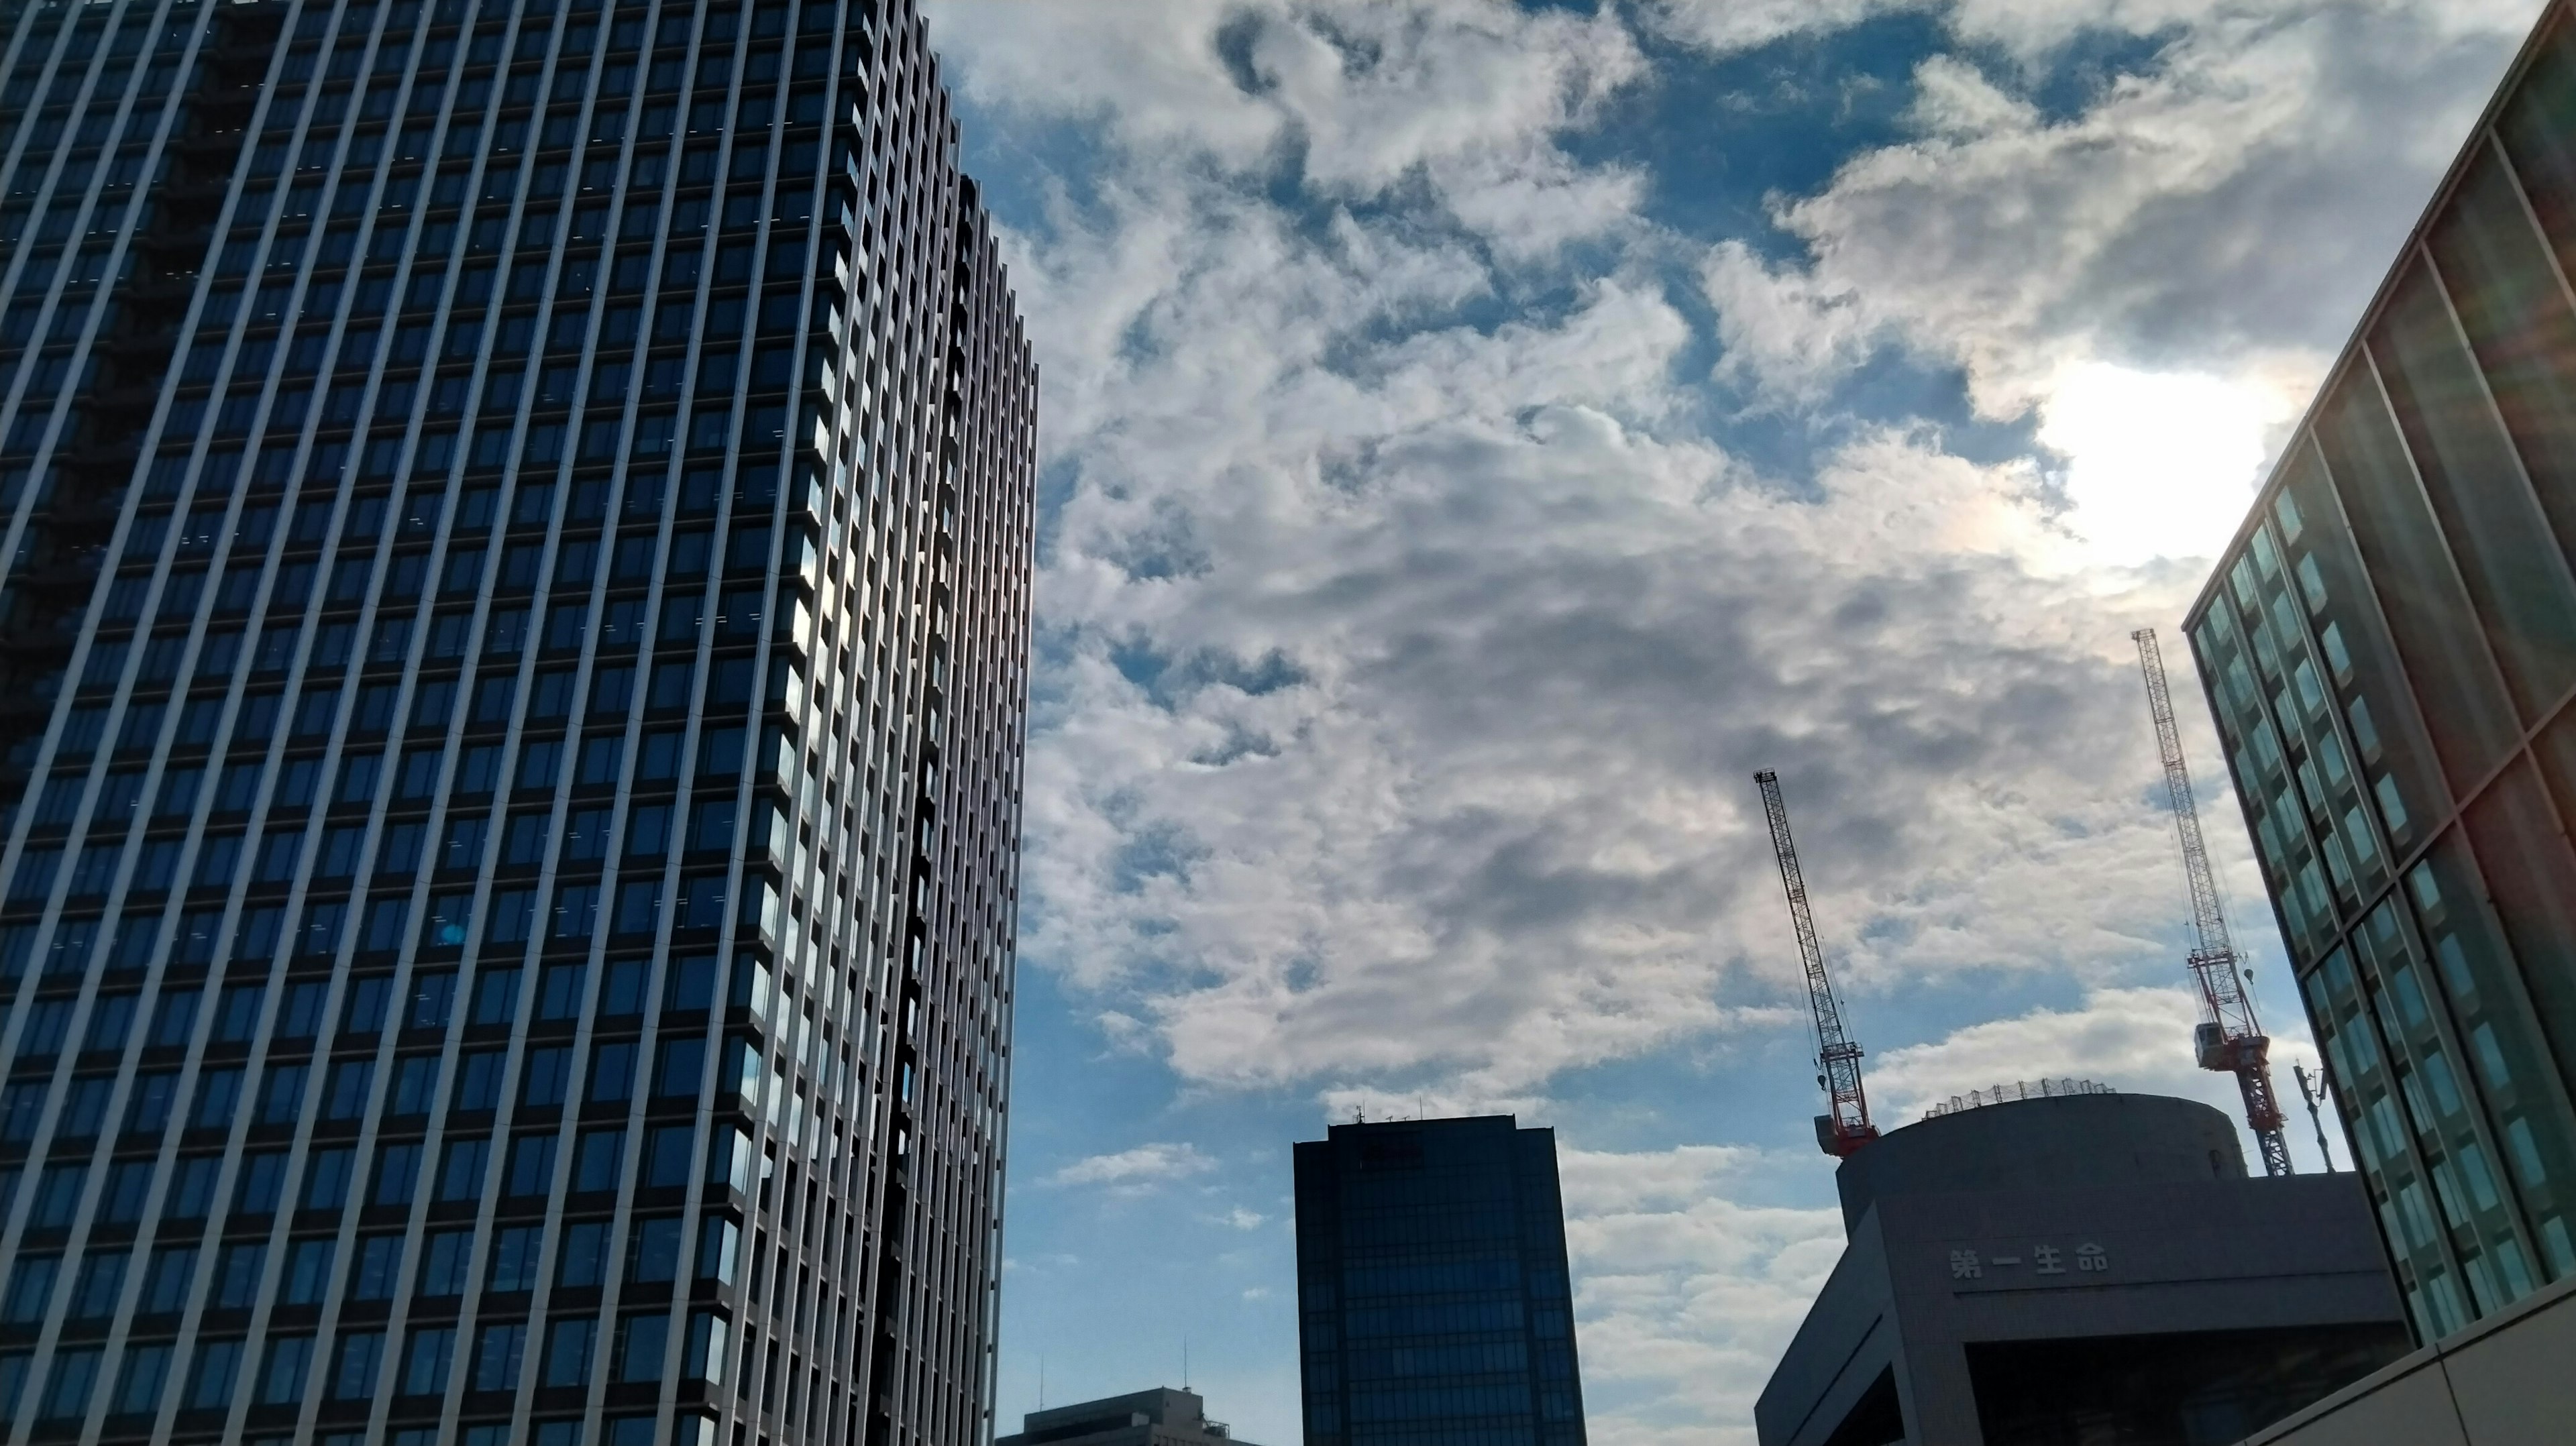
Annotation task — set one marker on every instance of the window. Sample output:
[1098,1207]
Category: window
[433,995]
[165,1283]
[597,1161]
[426,1359]
[681,1069]
[139,1381]
[31,1289]
[569,1343]
[497,1349]
[67,1390]
[496,996]
[281,1378]
[612,1072]
[445,1256]
[218,1092]
[376,1271]
[719,1245]
[345,1090]
[237,1273]
[365,1012]
[192,1188]
[129,1183]
[308,1271]
[237,1013]
[515,1252]
[478,1079]
[640,1339]
[543,1076]
[281,1094]
[415,1084]
[532,1165]
[211,1376]
[666,1156]
[654,1255]
[460,1174]
[559,991]
[397,1170]
[354,1366]
[326,1177]
[300,1017]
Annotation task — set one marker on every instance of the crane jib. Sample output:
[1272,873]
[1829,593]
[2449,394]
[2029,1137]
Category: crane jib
[1845,1126]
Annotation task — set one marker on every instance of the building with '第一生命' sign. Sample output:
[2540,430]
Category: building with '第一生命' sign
[2024,1269]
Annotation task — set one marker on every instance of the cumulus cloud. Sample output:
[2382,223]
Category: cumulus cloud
[1413,609]
[1145,1167]
[2136,1040]
[1357,102]
[1685,1295]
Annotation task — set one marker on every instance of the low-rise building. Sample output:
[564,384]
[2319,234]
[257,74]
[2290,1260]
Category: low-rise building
[2085,1266]
[1159,1417]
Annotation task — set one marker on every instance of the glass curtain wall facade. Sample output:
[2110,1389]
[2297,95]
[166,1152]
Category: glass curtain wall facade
[2389,647]
[514,625]
[1433,1300]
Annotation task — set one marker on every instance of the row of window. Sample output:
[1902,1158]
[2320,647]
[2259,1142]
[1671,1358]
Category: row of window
[358,1364]
[375,1271]
[398,1173]
[563,993]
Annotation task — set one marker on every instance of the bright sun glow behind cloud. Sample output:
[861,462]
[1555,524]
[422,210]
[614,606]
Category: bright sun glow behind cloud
[2159,464]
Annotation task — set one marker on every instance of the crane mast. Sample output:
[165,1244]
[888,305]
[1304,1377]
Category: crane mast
[2229,1039]
[1845,1127]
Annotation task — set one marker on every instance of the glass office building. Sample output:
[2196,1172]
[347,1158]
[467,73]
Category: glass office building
[1433,1307]
[2390,649]
[513,642]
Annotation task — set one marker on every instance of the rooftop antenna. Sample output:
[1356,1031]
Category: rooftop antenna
[2229,1040]
[2313,1093]
[1185,1363]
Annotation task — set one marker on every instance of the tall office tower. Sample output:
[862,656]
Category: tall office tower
[514,623]
[2390,647]
[1433,1307]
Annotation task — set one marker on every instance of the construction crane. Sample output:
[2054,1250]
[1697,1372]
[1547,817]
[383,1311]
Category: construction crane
[1845,1127]
[2229,1039]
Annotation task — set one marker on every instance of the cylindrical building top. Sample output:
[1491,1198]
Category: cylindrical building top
[2067,1141]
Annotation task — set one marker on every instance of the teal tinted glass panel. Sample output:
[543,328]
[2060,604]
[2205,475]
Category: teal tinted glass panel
[2515,575]
[2410,569]
[2514,308]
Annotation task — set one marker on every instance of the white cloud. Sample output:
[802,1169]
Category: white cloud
[1145,1167]
[1412,616]
[2158,465]
[1684,1297]
[2222,213]
[1360,100]
[1727,26]
[2135,1040]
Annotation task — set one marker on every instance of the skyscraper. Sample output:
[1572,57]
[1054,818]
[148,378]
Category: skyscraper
[2389,646]
[1433,1303]
[515,626]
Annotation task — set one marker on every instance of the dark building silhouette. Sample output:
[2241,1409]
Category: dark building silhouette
[513,639]
[2389,648]
[1160,1417]
[2080,1267]
[1433,1301]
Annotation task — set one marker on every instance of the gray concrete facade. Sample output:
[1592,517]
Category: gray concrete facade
[1992,1249]
[2502,1382]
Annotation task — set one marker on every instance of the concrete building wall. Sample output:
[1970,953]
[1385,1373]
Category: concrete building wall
[2505,1381]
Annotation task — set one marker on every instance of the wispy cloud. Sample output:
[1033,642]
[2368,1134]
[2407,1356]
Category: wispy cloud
[1142,1168]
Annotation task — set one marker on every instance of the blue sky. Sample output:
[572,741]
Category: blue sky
[1475,439]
